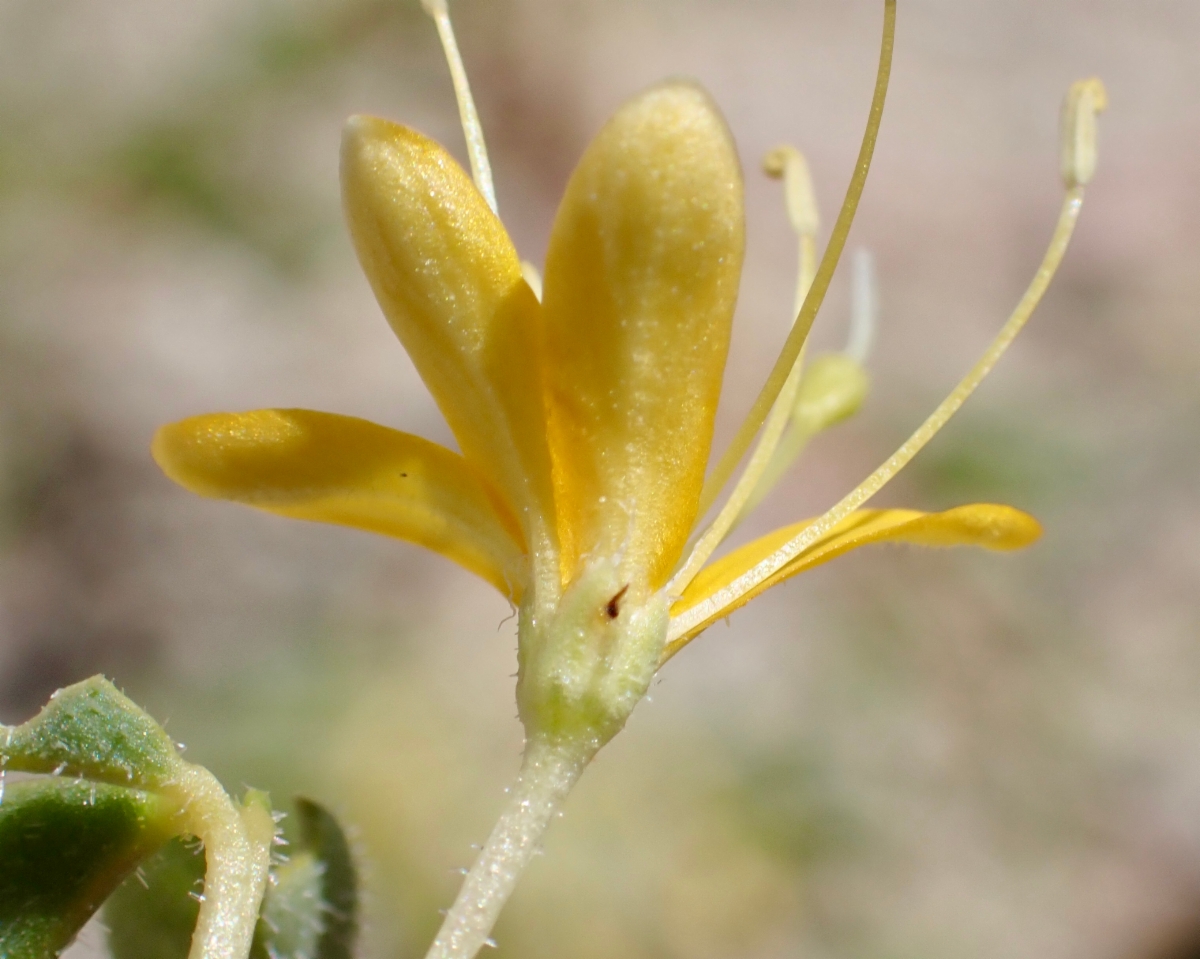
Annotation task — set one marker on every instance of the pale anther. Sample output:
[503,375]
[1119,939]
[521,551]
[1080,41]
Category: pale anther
[481,169]
[787,163]
[1084,100]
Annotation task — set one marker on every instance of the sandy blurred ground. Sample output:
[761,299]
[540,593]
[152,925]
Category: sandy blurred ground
[902,754]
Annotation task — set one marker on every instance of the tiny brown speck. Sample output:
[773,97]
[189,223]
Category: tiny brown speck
[613,608]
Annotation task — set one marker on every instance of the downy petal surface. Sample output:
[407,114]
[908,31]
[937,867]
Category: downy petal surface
[450,283]
[988,525]
[343,470]
[641,279]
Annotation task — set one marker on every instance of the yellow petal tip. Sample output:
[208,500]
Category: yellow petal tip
[203,453]
[994,526]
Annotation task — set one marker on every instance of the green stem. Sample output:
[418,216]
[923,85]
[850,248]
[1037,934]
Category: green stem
[237,850]
[548,772]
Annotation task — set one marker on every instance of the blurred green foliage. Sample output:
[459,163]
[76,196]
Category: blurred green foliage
[1003,457]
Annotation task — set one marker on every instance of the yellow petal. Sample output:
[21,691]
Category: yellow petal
[641,279]
[981,524]
[338,469]
[449,280]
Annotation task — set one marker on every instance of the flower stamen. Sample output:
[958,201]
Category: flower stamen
[786,163]
[1079,141]
[1084,100]
[816,295]
[832,388]
[481,169]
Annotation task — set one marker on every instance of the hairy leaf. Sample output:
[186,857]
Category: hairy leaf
[323,836]
[92,731]
[64,847]
[293,918]
[311,911]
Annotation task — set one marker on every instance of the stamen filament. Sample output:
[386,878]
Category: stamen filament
[747,484]
[835,407]
[790,446]
[816,295]
[789,163]
[732,596]
[801,429]
[481,169]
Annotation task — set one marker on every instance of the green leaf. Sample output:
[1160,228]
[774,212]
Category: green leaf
[321,833]
[64,847]
[293,919]
[311,910]
[92,731]
[152,917]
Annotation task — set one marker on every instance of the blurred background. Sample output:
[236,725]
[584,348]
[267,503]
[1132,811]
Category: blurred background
[903,754]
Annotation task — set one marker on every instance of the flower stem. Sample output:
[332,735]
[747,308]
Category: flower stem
[237,852]
[548,772]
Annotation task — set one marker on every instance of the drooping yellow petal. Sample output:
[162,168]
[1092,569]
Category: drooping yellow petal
[338,469]
[641,279]
[981,524]
[449,280]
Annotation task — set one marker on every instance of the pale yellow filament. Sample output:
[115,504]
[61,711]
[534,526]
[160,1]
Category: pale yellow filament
[481,169]
[816,295]
[789,447]
[788,163]
[729,596]
[863,318]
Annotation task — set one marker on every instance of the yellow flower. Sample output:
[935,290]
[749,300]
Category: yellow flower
[584,412]
[585,421]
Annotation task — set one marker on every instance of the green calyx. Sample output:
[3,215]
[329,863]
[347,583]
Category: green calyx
[585,665]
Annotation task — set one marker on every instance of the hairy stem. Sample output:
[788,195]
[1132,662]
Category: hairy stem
[237,852]
[548,772]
